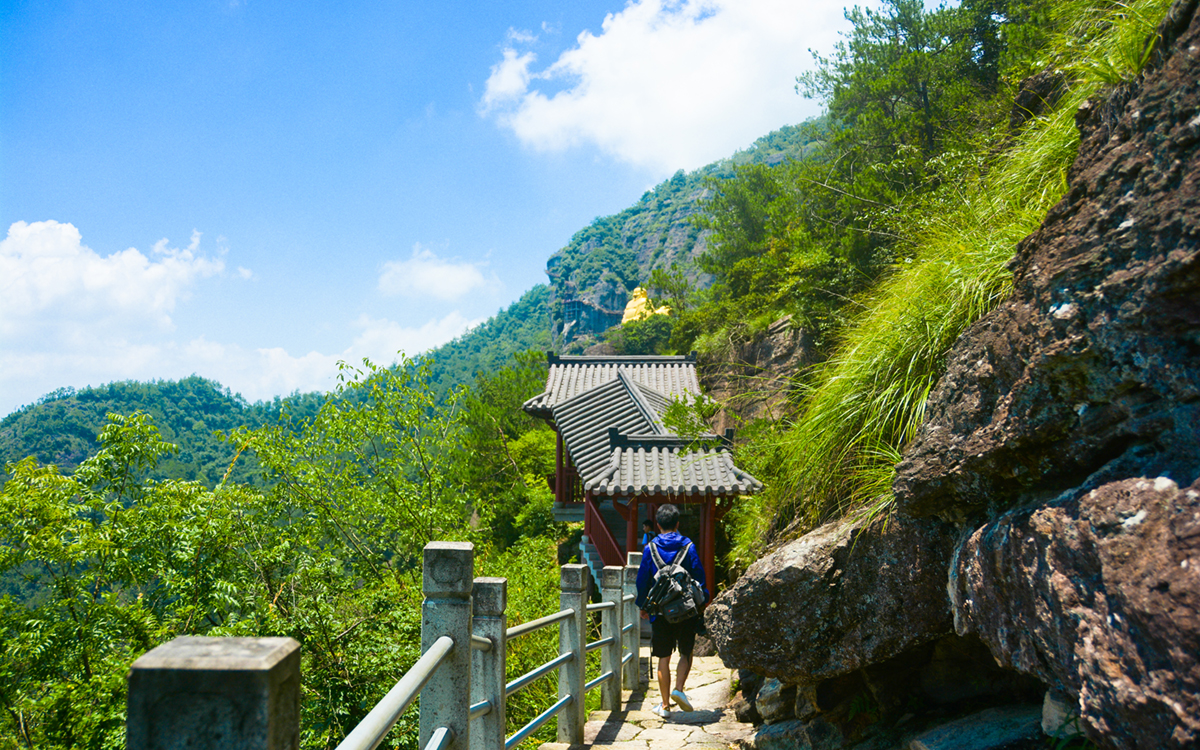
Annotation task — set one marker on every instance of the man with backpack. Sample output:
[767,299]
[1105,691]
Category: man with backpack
[671,591]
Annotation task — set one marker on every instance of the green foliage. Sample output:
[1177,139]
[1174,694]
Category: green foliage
[111,562]
[508,455]
[650,335]
[905,78]
[374,454]
[656,239]
[61,427]
[868,399]
[520,327]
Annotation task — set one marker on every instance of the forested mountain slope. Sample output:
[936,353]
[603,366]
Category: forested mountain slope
[592,276]
[61,428]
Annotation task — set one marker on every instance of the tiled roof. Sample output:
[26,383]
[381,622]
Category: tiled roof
[571,376]
[667,469]
[584,421]
[615,436]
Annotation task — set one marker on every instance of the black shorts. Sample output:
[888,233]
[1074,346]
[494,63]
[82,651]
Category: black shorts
[665,637]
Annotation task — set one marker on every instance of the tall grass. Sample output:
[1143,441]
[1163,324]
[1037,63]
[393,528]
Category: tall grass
[867,401]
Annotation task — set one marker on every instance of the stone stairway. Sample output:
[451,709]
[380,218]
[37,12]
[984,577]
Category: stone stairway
[711,726]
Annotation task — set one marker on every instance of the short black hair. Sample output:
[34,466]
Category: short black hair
[648,522]
[667,517]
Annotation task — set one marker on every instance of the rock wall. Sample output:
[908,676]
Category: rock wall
[754,380]
[1050,505]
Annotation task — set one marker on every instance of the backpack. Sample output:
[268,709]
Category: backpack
[674,594]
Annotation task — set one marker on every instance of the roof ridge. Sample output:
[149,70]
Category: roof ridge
[618,359]
[639,399]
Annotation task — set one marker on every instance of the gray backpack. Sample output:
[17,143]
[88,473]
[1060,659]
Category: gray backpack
[674,594]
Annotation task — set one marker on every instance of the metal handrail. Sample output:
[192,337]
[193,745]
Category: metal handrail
[600,644]
[541,671]
[482,708]
[372,730]
[541,622]
[440,739]
[537,723]
[602,678]
[629,597]
[375,726]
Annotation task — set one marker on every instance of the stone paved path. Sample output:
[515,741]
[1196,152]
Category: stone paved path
[711,726]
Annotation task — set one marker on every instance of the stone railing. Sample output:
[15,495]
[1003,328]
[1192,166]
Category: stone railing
[202,693]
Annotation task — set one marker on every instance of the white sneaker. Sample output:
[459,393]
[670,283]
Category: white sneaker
[658,710]
[682,699]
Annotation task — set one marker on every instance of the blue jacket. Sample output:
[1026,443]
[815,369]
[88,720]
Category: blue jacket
[669,544]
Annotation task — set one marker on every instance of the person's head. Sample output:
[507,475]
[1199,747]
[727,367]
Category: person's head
[648,526]
[667,517]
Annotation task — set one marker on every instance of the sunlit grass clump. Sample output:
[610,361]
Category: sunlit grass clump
[867,401]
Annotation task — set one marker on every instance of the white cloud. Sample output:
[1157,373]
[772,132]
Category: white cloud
[52,285]
[426,275]
[509,80]
[69,316]
[263,373]
[668,84]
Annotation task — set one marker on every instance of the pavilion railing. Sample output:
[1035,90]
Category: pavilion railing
[243,692]
[599,533]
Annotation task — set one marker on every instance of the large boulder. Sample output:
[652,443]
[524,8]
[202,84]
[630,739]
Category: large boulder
[1090,372]
[1098,594]
[843,596]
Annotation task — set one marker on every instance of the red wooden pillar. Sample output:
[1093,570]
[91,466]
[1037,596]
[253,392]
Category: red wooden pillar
[560,480]
[631,528]
[708,545]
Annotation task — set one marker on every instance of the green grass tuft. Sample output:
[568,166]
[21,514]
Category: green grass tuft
[867,401]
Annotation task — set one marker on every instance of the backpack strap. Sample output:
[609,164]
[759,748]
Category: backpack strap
[677,560]
[657,557]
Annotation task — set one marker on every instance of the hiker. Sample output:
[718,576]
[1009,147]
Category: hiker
[666,636]
[647,532]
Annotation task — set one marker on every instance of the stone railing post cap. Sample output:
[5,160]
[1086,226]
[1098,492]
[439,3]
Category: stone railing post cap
[218,654]
[490,596]
[572,577]
[448,568]
[611,576]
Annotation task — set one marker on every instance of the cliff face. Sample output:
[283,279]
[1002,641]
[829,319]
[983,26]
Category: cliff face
[1049,507]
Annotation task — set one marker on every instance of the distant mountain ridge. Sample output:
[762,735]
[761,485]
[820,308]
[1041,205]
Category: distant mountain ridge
[592,277]
[590,280]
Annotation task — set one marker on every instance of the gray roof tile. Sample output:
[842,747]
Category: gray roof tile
[614,434]
[571,376]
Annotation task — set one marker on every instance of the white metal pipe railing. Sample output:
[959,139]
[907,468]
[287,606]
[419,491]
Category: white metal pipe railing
[533,675]
[440,740]
[461,674]
[600,644]
[599,680]
[375,726]
[537,723]
[541,622]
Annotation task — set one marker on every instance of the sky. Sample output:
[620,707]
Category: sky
[254,190]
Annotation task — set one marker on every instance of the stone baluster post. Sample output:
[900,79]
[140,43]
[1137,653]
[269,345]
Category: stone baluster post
[610,627]
[490,598]
[572,638]
[448,574]
[633,639]
[209,693]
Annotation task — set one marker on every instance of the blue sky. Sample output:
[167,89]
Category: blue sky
[251,191]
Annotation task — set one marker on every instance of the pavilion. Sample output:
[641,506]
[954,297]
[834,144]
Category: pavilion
[616,461]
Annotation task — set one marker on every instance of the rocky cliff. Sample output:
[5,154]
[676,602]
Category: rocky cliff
[1046,541]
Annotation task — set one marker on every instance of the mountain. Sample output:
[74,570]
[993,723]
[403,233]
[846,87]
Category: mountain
[592,277]
[61,427]
[590,281]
